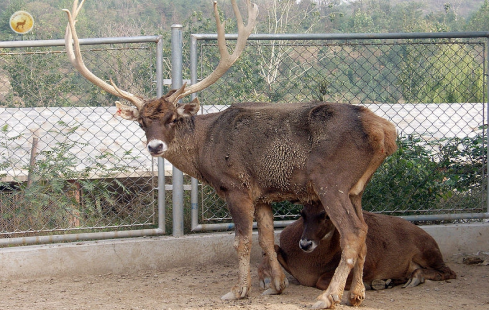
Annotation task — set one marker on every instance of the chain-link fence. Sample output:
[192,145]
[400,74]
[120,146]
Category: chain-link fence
[432,89]
[67,165]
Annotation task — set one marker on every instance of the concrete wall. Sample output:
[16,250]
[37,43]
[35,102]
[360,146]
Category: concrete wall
[133,254]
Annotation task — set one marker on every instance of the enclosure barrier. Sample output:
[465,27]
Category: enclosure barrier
[219,96]
[346,38]
[160,228]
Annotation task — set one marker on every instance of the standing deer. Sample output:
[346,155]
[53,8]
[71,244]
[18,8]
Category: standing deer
[21,24]
[254,154]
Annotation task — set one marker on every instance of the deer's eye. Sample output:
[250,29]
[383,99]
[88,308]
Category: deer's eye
[323,215]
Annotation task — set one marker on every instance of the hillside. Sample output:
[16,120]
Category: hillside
[148,17]
[463,8]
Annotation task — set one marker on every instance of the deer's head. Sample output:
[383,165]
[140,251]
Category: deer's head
[317,226]
[157,116]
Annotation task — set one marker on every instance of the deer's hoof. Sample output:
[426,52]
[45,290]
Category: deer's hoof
[229,296]
[265,283]
[356,300]
[270,291]
[321,304]
[236,293]
[326,302]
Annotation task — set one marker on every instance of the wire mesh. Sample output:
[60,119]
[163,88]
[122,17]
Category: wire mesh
[433,90]
[66,163]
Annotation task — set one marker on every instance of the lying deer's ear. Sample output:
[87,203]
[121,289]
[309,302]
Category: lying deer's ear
[126,112]
[189,109]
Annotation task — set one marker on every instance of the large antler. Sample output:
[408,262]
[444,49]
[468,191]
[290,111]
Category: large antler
[226,60]
[77,60]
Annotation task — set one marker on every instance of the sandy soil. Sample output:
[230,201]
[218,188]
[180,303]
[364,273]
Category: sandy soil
[200,287]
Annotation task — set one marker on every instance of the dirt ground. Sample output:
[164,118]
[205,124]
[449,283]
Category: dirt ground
[200,287]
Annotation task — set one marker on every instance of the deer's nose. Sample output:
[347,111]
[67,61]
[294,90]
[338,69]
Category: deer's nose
[306,245]
[156,147]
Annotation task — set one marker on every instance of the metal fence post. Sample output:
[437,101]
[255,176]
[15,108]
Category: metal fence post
[161,161]
[486,68]
[177,175]
[194,194]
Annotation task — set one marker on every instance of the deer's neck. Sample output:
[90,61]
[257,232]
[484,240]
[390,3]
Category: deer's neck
[183,150]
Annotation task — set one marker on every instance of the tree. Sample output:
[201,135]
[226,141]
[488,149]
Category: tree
[455,76]
[7,9]
[285,16]
[445,73]
[479,21]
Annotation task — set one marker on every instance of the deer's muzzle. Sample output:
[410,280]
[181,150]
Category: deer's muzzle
[156,147]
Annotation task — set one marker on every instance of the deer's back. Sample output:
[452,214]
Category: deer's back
[275,147]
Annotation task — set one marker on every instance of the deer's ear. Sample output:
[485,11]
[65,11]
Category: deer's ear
[189,109]
[126,112]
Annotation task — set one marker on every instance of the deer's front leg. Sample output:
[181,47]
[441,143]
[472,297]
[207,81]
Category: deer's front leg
[275,281]
[242,210]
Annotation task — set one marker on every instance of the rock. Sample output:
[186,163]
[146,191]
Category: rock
[473,260]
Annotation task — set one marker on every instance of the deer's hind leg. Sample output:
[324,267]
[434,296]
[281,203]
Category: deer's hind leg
[353,233]
[420,275]
[428,265]
[357,288]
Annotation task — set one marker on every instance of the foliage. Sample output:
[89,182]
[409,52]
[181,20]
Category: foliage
[427,176]
[416,177]
[479,21]
[132,18]
[25,75]
[448,73]
[464,161]
[61,194]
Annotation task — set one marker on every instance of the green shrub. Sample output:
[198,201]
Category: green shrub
[424,177]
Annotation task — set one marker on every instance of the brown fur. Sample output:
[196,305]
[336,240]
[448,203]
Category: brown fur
[396,249]
[254,154]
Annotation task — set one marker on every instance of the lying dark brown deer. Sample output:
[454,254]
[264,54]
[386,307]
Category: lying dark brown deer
[396,249]
[254,154]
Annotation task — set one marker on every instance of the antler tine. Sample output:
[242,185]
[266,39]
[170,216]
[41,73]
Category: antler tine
[72,46]
[77,8]
[226,60]
[245,30]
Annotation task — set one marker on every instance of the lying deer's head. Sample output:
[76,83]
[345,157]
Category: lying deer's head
[317,226]
[157,116]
